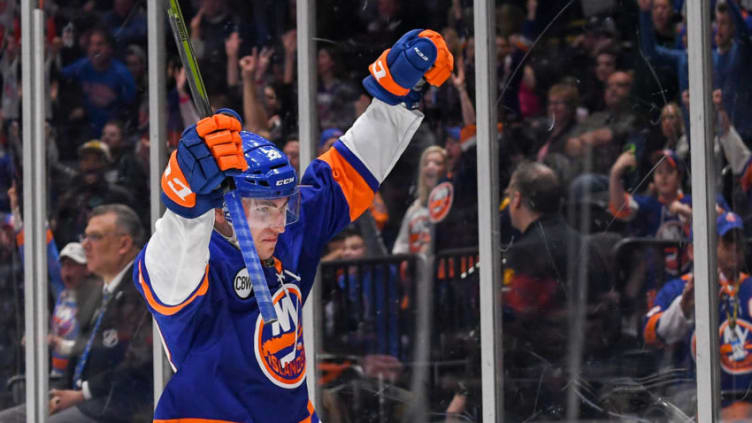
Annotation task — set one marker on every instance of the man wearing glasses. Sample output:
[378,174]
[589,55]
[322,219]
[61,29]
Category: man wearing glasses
[110,368]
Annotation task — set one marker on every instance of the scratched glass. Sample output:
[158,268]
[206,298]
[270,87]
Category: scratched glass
[399,322]
[596,299]
[597,290]
[731,133]
[96,143]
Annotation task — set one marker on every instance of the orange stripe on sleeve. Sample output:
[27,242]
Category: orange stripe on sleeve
[170,310]
[623,212]
[358,194]
[651,334]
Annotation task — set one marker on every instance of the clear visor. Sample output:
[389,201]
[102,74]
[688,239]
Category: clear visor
[271,212]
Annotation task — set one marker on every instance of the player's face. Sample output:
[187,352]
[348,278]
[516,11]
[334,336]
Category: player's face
[266,219]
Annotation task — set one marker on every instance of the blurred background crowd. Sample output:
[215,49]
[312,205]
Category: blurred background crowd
[592,97]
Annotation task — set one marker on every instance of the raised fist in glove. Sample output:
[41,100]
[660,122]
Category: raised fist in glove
[191,182]
[395,77]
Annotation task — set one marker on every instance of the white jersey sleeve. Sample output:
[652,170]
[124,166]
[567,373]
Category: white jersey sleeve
[177,254]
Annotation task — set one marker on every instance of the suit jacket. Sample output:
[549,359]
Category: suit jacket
[118,369]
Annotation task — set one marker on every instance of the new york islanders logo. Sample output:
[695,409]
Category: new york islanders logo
[440,201]
[279,346]
[736,344]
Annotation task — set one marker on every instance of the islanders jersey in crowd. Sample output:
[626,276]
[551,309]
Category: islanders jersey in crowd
[648,216]
[231,366]
[665,324]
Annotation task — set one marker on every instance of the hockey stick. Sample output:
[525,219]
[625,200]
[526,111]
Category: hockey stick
[183,42]
[232,199]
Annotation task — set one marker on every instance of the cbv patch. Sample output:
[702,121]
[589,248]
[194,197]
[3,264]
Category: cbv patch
[242,284]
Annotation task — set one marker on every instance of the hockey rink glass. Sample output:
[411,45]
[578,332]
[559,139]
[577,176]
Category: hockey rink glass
[272,212]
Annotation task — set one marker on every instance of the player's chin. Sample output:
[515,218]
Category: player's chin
[266,249]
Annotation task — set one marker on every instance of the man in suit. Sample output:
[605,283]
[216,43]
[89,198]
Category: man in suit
[111,364]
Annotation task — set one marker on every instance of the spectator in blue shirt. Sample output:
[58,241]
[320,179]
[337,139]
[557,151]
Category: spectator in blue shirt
[108,88]
[731,57]
[730,65]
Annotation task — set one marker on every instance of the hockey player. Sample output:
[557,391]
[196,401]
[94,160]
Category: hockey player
[230,364]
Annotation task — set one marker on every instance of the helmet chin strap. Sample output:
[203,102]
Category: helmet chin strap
[250,257]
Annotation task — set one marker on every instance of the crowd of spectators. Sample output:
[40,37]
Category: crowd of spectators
[595,93]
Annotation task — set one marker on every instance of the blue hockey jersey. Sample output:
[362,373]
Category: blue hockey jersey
[229,365]
[665,324]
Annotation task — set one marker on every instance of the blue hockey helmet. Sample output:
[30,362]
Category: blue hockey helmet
[269,177]
[269,173]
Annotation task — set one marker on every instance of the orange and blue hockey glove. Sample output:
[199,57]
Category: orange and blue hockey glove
[206,151]
[396,76]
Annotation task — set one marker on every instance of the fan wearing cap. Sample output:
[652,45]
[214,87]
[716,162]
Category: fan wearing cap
[228,295]
[89,189]
[74,289]
[671,320]
[651,215]
[74,307]
[665,214]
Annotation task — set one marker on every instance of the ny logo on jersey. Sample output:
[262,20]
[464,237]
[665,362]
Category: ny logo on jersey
[735,346]
[279,346]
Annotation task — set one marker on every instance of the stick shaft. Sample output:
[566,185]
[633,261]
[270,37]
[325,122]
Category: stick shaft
[193,73]
[234,204]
